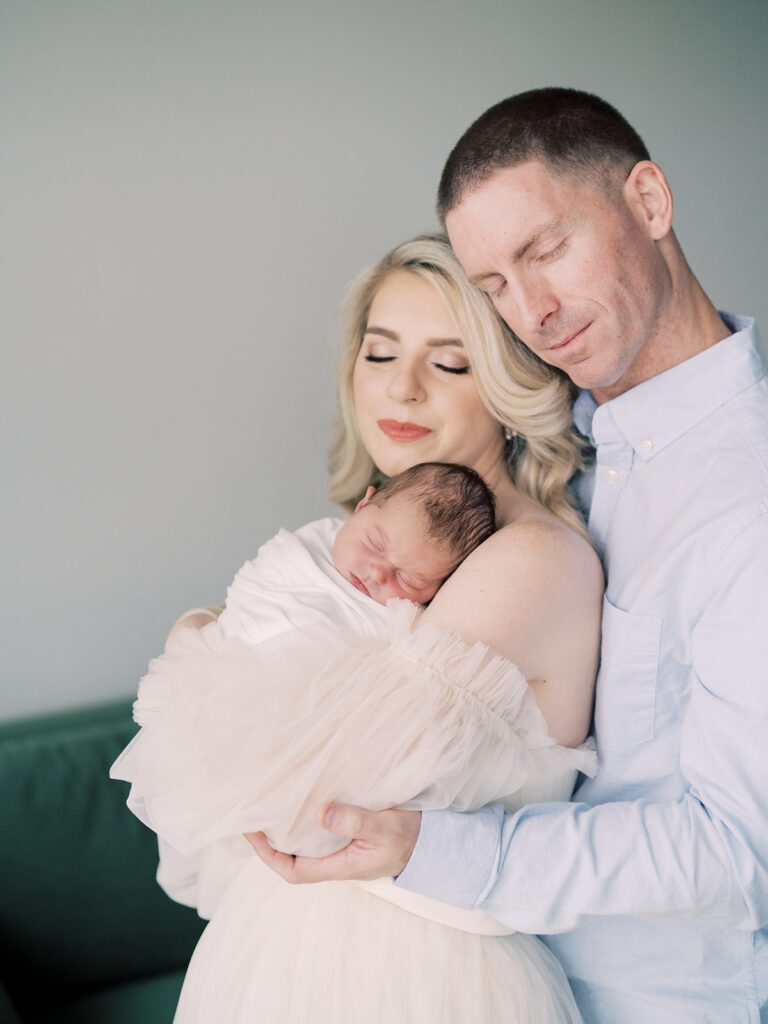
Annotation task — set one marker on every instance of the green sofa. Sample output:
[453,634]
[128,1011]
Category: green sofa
[86,934]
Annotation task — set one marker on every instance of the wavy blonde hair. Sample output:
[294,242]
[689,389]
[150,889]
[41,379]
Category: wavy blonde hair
[525,396]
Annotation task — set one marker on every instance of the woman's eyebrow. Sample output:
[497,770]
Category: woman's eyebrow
[442,342]
[384,332]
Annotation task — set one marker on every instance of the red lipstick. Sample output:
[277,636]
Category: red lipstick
[397,430]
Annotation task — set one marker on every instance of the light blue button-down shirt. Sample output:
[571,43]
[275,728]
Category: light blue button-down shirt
[652,886]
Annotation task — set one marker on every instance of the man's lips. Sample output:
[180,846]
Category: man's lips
[398,430]
[359,584]
[570,338]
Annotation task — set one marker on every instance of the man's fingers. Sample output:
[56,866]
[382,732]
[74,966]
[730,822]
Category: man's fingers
[298,870]
[380,843]
[282,863]
[386,829]
[349,822]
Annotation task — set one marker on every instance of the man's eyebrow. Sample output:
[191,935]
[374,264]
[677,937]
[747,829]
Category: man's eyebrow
[537,236]
[541,234]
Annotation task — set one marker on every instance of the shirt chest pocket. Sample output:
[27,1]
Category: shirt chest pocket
[626,685]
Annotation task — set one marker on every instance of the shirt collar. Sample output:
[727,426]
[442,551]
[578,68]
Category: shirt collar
[583,411]
[657,412]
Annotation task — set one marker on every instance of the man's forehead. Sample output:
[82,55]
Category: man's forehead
[509,204]
[530,182]
[513,210]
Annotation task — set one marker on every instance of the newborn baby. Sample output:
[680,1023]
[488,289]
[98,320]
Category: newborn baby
[235,715]
[403,540]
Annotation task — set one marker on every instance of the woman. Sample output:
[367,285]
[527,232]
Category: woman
[429,374]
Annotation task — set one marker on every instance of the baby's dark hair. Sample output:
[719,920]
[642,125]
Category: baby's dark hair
[460,507]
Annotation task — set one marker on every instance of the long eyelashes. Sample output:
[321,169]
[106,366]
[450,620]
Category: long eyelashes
[441,366]
[453,369]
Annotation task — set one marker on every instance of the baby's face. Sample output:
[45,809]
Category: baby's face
[385,551]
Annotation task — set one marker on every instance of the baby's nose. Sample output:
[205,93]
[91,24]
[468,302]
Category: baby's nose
[380,572]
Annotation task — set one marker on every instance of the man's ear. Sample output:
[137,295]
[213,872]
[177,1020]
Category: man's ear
[365,499]
[649,196]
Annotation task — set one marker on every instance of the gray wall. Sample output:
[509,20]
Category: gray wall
[186,188]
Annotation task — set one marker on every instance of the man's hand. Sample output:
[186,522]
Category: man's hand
[382,843]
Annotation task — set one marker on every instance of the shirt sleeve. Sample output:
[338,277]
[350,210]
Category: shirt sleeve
[548,867]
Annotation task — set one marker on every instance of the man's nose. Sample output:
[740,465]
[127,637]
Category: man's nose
[527,305]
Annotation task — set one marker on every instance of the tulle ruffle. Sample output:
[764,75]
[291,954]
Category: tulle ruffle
[237,738]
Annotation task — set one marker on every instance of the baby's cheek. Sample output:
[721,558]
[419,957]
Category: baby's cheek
[406,595]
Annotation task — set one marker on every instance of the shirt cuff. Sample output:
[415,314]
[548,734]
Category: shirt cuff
[455,859]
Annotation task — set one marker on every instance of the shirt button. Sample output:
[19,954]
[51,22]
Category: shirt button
[646,446]
[613,475]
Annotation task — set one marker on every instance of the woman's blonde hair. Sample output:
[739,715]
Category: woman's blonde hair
[528,398]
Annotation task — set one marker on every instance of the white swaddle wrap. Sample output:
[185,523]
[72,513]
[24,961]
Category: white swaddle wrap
[306,691]
[293,583]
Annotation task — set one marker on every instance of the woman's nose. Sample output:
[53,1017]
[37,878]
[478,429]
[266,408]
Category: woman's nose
[404,385]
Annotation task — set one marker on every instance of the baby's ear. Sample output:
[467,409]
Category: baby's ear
[365,499]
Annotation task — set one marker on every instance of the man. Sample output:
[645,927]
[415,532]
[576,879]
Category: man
[652,885]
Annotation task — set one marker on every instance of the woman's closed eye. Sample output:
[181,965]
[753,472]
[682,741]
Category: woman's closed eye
[371,358]
[452,369]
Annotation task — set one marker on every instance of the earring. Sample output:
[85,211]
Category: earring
[513,443]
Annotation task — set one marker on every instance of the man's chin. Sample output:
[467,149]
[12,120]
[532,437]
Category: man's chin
[602,386]
[584,376]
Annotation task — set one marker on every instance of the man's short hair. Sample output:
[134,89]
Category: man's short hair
[459,506]
[572,131]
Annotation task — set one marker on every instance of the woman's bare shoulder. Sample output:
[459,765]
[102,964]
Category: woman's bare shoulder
[533,593]
[535,550]
[529,572]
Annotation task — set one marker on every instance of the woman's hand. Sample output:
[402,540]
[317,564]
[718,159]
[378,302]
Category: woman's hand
[381,843]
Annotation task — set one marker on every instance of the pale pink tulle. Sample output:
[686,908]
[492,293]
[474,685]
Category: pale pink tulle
[238,738]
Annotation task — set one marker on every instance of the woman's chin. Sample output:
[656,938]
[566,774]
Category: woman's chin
[400,461]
